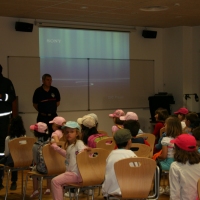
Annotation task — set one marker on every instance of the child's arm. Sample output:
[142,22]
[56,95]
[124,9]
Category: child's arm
[58,149]
[163,155]
[174,182]
[56,136]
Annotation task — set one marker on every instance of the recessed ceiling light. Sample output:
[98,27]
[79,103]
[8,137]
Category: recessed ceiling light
[154,8]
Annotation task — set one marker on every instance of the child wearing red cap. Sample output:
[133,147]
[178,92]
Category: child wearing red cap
[181,113]
[118,123]
[185,171]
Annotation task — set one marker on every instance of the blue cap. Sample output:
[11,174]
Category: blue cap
[71,124]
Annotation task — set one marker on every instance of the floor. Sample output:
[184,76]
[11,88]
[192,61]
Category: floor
[16,194]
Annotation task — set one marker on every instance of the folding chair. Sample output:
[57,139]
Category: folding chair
[135,180]
[92,167]
[150,139]
[21,152]
[50,157]
[107,143]
[141,150]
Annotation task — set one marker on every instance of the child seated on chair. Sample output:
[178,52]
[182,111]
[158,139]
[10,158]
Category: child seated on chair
[196,134]
[181,113]
[185,171]
[41,133]
[134,126]
[122,138]
[16,130]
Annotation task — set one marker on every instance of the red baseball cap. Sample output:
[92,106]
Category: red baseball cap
[183,111]
[185,141]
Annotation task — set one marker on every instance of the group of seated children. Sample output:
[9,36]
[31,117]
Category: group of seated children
[178,153]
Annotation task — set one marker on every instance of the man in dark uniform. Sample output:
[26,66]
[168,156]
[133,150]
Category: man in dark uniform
[7,96]
[46,99]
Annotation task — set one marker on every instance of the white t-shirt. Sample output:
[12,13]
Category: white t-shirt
[170,147]
[110,185]
[183,125]
[71,154]
[183,181]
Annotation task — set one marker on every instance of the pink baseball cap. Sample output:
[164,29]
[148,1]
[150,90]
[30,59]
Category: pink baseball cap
[129,116]
[118,113]
[39,127]
[182,110]
[58,120]
[185,141]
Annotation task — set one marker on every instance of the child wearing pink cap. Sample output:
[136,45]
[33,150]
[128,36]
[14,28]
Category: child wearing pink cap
[57,124]
[117,121]
[185,170]
[181,113]
[41,133]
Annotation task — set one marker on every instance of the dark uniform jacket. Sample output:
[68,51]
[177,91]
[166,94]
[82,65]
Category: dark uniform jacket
[8,95]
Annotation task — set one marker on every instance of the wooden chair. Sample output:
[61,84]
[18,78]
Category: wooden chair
[107,143]
[21,152]
[198,188]
[150,139]
[50,157]
[141,150]
[92,166]
[135,180]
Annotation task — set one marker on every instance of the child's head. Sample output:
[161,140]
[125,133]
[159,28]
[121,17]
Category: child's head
[181,113]
[129,116]
[40,130]
[57,123]
[161,114]
[71,131]
[190,119]
[196,134]
[116,116]
[133,126]
[185,149]
[88,127]
[16,128]
[173,127]
[122,138]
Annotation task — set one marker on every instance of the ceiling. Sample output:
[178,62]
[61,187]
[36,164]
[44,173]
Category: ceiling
[115,12]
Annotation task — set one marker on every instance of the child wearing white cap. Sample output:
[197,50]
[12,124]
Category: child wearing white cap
[57,124]
[41,133]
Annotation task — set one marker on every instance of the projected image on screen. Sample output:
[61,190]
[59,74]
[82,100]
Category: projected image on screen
[90,68]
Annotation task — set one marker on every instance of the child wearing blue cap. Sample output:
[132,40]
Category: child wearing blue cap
[73,145]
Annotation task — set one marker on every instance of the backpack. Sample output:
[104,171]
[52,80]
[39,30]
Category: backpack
[93,139]
[41,166]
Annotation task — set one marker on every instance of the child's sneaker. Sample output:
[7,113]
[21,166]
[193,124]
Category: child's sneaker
[167,190]
[161,190]
[35,194]
[13,186]
[47,192]
[67,194]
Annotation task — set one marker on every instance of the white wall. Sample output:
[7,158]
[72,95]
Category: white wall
[173,61]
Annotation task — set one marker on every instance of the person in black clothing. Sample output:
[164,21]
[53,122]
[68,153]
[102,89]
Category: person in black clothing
[7,96]
[46,99]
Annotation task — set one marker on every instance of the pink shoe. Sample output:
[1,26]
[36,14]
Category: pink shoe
[47,192]
[35,194]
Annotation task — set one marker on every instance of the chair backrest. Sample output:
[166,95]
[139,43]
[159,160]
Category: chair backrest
[21,151]
[92,166]
[61,144]
[135,181]
[55,163]
[107,143]
[150,139]
[141,150]
[198,188]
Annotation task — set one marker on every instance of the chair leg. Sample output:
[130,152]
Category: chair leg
[24,192]
[7,183]
[41,181]
[22,179]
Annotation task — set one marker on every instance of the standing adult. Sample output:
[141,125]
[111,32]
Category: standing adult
[7,96]
[46,99]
